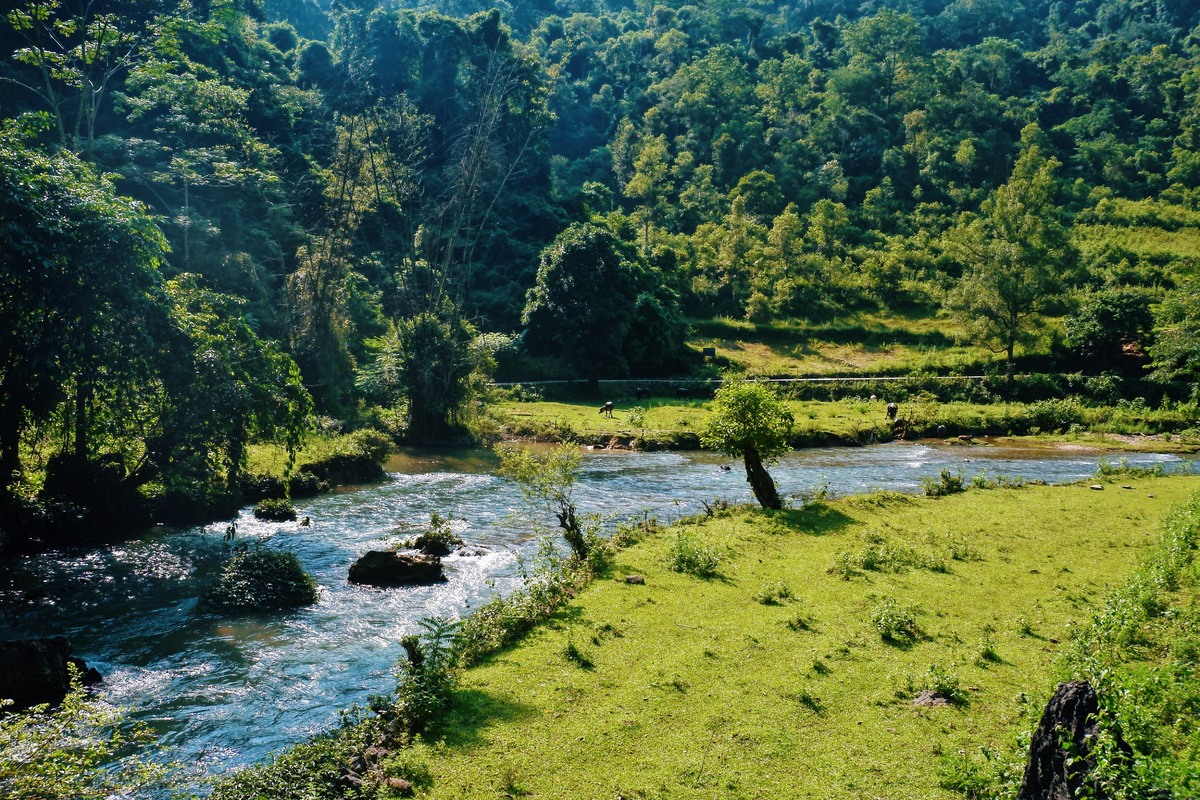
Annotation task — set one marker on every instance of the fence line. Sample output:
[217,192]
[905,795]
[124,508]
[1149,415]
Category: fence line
[695,381]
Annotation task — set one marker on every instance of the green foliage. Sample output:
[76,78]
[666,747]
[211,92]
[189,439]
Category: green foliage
[892,621]
[81,750]
[946,483]
[548,481]
[691,555]
[748,416]
[942,682]
[275,510]
[260,580]
[505,619]
[427,680]
[1107,321]
[598,306]
[440,539]
[750,420]
[1017,256]
[775,594]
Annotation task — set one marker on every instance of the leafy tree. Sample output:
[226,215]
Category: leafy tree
[1017,254]
[1108,320]
[1175,353]
[223,387]
[549,481]
[587,295]
[76,51]
[750,420]
[73,321]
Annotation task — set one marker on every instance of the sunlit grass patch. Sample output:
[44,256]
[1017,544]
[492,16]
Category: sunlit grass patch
[710,691]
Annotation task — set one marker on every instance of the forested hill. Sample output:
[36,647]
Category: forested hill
[198,194]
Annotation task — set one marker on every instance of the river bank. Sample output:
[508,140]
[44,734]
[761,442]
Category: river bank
[872,645]
[228,692]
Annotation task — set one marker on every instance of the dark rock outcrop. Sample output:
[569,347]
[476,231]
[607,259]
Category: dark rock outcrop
[34,671]
[1070,716]
[387,568]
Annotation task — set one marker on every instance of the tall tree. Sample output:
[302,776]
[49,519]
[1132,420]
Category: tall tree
[1017,256]
[76,264]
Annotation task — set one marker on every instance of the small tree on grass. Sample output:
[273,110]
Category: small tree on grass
[549,481]
[751,421]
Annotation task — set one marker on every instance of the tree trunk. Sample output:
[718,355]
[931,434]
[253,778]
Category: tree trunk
[760,480]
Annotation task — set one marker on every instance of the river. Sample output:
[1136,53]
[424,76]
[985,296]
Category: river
[227,692]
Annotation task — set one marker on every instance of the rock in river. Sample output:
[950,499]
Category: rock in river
[35,671]
[388,568]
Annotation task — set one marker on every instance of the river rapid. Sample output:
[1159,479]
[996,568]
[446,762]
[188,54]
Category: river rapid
[226,692]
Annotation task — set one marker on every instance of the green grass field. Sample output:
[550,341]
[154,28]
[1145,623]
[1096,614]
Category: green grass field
[849,421]
[772,679]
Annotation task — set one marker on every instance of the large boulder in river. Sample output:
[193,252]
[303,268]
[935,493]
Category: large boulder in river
[1060,755]
[35,671]
[389,568]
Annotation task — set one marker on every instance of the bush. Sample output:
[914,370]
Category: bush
[946,483]
[261,579]
[894,622]
[306,484]
[942,681]
[1054,416]
[262,486]
[427,681]
[688,554]
[356,458]
[84,749]
[440,539]
[275,510]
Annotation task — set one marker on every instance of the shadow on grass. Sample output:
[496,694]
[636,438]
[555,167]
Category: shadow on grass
[817,519]
[473,711]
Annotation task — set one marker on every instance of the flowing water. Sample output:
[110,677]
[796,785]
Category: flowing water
[225,692]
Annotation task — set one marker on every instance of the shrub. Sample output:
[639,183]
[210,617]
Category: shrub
[261,579]
[942,681]
[275,510]
[894,622]
[689,554]
[506,619]
[84,749]
[261,486]
[945,484]
[357,457]
[774,594]
[440,539]
[426,683]
[306,484]
[1053,416]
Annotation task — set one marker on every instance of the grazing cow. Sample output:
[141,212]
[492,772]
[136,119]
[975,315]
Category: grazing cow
[607,409]
[684,393]
[642,393]
[892,408]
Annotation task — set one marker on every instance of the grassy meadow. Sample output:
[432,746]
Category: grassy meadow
[791,670]
[676,423]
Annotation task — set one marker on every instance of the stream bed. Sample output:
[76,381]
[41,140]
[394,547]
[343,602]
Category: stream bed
[226,692]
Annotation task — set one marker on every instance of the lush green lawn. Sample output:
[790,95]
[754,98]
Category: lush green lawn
[689,687]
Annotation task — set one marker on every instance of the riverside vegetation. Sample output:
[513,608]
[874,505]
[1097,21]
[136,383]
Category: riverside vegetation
[872,645]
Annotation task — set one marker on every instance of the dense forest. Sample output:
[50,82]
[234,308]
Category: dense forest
[220,216]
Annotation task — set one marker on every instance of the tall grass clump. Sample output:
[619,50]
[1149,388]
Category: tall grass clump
[947,483]
[690,555]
